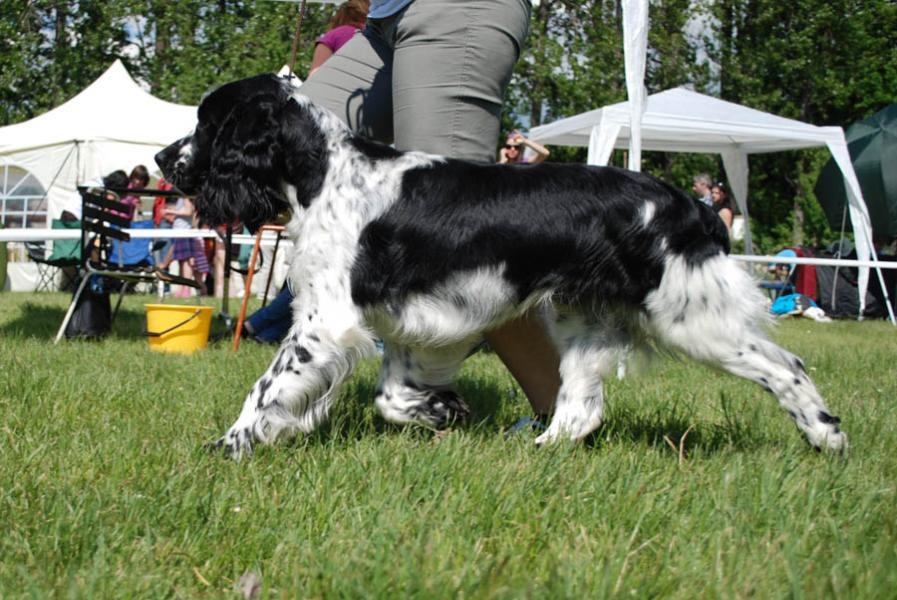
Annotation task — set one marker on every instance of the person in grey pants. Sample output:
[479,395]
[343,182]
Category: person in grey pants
[430,75]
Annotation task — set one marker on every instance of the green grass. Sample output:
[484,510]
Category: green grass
[106,491]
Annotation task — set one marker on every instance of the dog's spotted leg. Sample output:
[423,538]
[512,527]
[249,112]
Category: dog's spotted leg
[784,375]
[714,312]
[416,385]
[590,349]
[297,390]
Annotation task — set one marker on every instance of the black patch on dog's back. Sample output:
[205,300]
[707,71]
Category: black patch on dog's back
[573,229]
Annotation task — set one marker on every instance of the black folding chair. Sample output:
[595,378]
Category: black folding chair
[101,223]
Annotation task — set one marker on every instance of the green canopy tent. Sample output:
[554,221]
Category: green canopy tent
[872,144]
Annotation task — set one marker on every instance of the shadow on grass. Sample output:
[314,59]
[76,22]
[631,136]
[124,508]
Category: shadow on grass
[669,432]
[43,320]
[356,418]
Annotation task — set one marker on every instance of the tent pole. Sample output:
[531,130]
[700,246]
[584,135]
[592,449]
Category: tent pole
[881,282]
[835,281]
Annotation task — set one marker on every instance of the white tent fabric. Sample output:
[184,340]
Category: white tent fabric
[111,124]
[680,120]
[635,48]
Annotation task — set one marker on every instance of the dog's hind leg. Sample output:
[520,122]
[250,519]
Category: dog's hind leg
[590,349]
[784,375]
[714,313]
[297,390]
[417,384]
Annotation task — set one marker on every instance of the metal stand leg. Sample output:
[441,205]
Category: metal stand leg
[271,270]
[71,310]
[228,254]
[121,296]
[247,291]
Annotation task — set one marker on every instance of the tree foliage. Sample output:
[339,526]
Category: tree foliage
[820,61]
[826,62]
[52,49]
[574,63]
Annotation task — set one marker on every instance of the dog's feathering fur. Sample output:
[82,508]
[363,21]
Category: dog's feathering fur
[428,253]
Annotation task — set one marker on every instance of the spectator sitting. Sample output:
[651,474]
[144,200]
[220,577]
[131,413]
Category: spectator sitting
[116,180]
[269,324]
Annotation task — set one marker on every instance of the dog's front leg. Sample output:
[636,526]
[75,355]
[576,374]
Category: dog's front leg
[416,384]
[297,390]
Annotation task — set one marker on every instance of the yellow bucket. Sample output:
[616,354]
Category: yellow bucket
[177,328]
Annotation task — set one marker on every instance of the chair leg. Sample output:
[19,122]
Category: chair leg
[121,295]
[71,310]
[45,277]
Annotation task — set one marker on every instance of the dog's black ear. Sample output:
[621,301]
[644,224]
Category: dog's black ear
[305,151]
[244,178]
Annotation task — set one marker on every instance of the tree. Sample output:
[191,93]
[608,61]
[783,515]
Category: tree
[52,49]
[184,51]
[820,61]
[827,62]
[573,62]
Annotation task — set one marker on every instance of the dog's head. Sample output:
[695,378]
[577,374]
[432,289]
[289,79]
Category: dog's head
[252,139]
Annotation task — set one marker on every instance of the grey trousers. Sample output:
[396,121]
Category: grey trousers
[430,78]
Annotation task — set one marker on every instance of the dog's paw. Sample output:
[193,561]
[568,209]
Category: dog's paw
[548,437]
[215,446]
[826,434]
[831,441]
[444,408]
[236,443]
[574,427]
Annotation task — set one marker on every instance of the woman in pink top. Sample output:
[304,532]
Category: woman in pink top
[347,20]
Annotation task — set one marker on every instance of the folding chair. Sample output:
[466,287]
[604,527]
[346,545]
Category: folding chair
[37,252]
[65,253]
[101,226]
[784,276]
[134,255]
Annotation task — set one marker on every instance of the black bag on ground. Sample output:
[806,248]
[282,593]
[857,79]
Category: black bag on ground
[92,318]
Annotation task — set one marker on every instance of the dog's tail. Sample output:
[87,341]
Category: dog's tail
[714,311]
[703,306]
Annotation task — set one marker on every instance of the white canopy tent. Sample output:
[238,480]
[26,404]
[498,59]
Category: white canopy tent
[680,120]
[111,124]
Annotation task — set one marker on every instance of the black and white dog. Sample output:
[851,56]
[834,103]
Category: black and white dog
[427,253]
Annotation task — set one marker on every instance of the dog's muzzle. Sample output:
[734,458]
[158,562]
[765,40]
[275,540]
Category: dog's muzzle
[173,161]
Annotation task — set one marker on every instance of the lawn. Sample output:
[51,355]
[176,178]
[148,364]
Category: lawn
[106,489]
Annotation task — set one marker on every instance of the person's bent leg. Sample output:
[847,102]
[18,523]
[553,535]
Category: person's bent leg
[526,349]
[452,65]
[276,316]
